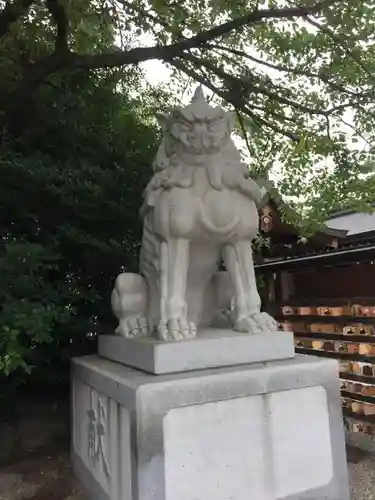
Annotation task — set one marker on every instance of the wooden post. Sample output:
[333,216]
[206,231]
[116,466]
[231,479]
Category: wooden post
[287,285]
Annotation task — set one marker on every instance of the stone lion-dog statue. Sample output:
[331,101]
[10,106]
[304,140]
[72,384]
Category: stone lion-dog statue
[199,209]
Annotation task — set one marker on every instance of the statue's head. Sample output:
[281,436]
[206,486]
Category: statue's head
[198,128]
[198,136]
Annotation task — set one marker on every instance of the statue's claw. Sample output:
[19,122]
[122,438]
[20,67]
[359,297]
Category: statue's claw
[176,329]
[133,325]
[256,324]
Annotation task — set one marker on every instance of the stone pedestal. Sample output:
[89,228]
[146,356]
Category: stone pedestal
[263,431]
[213,348]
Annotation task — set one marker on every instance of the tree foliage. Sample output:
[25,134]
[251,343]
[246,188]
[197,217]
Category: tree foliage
[300,74]
[77,135]
[72,173]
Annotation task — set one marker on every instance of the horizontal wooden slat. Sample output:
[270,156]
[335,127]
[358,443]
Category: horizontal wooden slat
[330,258]
[325,319]
[358,397]
[368,419]
[336,355]
[357,378]
[328,302]
[357,339]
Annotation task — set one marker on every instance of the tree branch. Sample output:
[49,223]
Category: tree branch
[284,69]
[362,98]
[250,87]
[12,12]
[244,133]
[168,52]
[144,13]
[120,31]
[236,101]
[340,43]
[349,125]
[63,59]
[61,21]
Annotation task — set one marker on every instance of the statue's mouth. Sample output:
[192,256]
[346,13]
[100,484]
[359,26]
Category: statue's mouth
[202,150]
[200,157]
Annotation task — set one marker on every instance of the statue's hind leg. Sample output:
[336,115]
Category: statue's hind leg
[247,316]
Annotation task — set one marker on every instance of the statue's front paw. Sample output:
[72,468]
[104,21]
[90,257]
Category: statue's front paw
[266,322]
[134,325]
[256,324]
[176,329]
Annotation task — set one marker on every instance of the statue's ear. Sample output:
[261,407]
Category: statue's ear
[162,119]
[230,117]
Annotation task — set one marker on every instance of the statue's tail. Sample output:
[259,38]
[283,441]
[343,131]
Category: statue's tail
[129,295]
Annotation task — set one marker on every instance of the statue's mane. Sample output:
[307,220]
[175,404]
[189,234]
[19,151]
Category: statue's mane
[174,168]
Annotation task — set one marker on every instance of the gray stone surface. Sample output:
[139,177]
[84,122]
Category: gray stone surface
[213,348]
[92,488]
[264,431]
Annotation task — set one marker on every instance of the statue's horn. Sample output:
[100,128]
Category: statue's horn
[198,95]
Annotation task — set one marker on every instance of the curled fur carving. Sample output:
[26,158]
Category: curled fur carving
[232,174]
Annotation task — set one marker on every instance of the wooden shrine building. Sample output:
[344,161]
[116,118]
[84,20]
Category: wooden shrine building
[324,291]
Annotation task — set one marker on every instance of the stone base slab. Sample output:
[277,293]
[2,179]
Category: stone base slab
[266,431]
[214,348]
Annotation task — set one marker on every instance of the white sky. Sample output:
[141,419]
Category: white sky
[156,72]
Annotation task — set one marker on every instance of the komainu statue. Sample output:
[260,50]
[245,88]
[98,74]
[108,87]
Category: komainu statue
[199,209]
